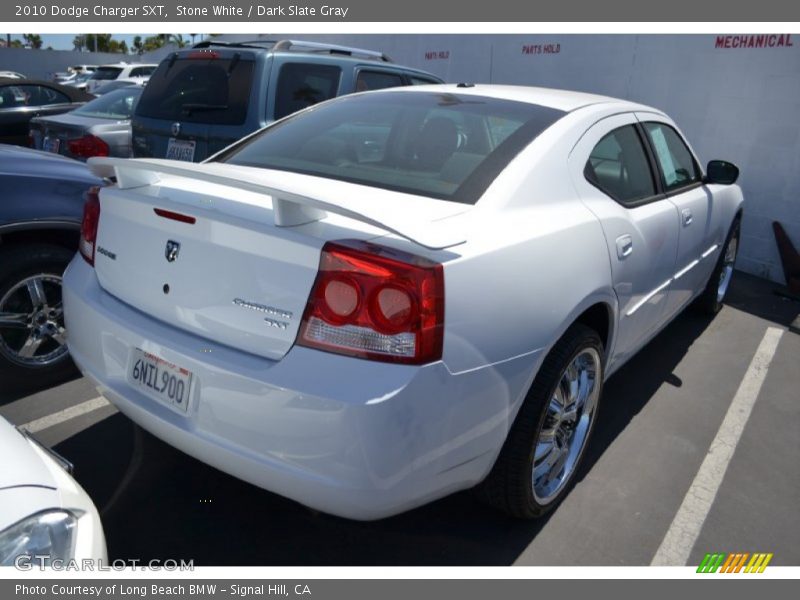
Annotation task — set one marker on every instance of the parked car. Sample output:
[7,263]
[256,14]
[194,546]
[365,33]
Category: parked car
[21,100]
[117,84]
[11,75]
[73,72]
[45,516]
[40,216]
[395,295]
[79,81]
[101,127]
[82,69]
[202,99]
[132,71]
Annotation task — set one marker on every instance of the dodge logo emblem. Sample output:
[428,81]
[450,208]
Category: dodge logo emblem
[171,251]
[176,129]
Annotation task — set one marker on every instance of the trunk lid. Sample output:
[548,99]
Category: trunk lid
[241,273]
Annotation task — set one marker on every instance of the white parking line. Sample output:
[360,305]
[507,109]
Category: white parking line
[66,414]
[682,533]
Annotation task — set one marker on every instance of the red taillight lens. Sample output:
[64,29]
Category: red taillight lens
[88,146]
[374,302]
[91,218]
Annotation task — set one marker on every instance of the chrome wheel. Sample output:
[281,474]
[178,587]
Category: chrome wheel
[727,266]
[566,425]
[32,332]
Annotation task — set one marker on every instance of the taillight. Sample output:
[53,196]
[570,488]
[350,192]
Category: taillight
[202,54]
[374,302]
[88,146]
[91,218]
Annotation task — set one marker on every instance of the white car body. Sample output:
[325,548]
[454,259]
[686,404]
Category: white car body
[355,437]
[127,72]
[34,482]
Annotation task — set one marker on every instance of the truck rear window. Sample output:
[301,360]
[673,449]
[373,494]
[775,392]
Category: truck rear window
[441,145]
[211,91]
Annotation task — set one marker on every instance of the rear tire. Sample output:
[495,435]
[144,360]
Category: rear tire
[711,299]
[32,335]
[544,448]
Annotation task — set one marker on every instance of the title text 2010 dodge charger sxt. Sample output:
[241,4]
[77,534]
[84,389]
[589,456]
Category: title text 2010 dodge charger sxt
[395,295]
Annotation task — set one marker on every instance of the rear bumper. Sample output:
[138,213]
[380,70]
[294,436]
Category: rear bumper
[350,437]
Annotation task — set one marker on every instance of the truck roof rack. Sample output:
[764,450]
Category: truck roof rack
[301,46]
[297,46]
[262,44]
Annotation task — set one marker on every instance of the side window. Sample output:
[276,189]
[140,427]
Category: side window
[37,95]
[421,81]
[618,166]
[301,85]
[11,96]
[377,80]
[678,166]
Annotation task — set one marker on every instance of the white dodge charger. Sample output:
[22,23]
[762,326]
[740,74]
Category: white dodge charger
[395,295]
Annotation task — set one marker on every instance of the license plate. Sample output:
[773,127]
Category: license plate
[51,144]
[161,379]
[180,149]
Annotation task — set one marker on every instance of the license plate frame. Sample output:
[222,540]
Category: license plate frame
[181,149]
[160,379]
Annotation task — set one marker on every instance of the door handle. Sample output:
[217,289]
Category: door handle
[624,246]
[686,216]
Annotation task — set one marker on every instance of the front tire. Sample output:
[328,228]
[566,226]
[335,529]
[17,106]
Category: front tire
[546,443]
[32,334]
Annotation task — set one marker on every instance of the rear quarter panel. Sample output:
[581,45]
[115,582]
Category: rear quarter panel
[504,301]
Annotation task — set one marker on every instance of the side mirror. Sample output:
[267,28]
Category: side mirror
[721,171]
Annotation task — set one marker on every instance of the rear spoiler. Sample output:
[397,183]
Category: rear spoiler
[299,199]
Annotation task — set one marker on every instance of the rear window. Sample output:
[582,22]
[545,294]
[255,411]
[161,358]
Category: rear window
[118,104]
[142,71]
[111,86]
[106,73]
[441,145]
[211,91]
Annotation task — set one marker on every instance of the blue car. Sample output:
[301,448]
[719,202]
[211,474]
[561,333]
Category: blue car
[41,207]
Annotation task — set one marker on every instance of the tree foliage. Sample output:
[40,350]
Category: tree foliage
[32,40]
[99,42]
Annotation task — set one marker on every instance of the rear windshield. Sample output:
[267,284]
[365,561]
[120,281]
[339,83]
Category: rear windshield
[212,91]
[105,73]
[118,105]
[441,145]
[111,86]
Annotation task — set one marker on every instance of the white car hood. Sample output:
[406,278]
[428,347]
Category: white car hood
[21,465]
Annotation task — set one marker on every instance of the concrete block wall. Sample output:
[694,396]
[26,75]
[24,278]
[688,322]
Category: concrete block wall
[41,64]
